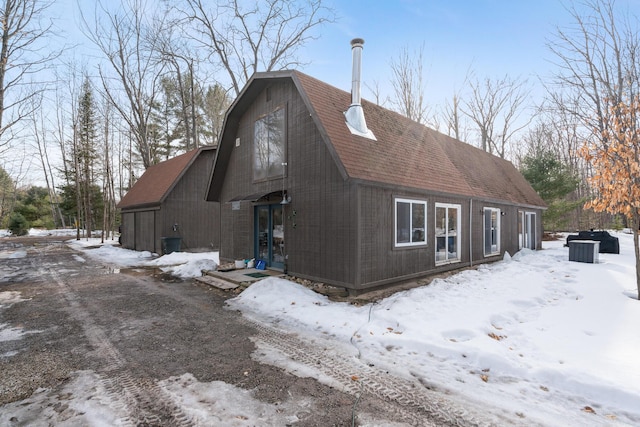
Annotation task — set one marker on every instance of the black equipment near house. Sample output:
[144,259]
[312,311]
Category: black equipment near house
[608,244]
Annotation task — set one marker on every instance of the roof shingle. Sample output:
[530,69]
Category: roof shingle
[409,154]
[157,181]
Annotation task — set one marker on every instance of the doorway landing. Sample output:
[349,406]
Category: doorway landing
[235,278]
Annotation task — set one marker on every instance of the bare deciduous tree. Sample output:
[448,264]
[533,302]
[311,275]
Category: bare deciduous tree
[453,118]
[495,107]
[376,91]
[128,39]
[598,67]
[598,60]
[108,185]
[24,52]
[39,136]
[246,37]
[409,85]
[215,103]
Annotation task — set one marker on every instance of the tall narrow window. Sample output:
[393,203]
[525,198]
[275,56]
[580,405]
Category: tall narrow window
[491,231]
[269,146]
[447,233]
[530,236]
[411,222]
[520,229]
[527,230]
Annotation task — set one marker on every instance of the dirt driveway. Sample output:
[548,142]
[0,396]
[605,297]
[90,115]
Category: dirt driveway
[121,337]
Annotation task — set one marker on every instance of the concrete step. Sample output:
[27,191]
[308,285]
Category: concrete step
[216,282]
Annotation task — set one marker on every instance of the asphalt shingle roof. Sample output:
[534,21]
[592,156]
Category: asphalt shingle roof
[158,180]
[409,154]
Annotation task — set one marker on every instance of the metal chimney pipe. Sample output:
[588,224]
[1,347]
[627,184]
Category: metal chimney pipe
[354,116]
[356,53]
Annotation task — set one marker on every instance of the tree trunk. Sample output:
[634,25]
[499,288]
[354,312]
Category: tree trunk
[76,167]
[634,224]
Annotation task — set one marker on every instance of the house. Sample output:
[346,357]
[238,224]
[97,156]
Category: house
[325,186]
[168,202]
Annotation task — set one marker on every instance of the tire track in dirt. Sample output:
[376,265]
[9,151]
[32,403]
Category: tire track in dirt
[144,402]
[409,401]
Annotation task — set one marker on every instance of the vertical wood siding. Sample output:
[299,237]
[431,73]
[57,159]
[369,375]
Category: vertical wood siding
[320,221]
[338,231]
[381,263]
[127,230]
[198,221]
[144,231]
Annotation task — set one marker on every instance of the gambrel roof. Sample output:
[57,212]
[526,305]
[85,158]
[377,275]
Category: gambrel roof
[404,153]
[155,184]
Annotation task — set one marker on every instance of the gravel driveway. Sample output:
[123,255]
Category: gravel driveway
[126,332]
[84,343]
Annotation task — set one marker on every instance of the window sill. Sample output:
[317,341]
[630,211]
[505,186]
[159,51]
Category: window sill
[448,261]
[417,246]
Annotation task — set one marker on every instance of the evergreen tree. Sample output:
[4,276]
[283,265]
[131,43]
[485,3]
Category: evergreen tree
[83,159]
[18,225]
[69,203]
[35,207]
[7,197]
[553,181]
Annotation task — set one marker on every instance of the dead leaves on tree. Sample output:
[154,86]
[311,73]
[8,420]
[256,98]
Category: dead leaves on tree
[615,158]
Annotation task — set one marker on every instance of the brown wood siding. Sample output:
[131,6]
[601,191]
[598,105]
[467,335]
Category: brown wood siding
[127,230]
[144,231]
[382,262]
[320,233]
[198,221]
[337,231]
[509,241]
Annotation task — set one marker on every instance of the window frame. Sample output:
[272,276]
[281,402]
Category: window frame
[498,228]
[527,229]
[411,243]
[280,172]
[458,235]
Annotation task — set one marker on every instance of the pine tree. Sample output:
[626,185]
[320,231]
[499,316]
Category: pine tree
[84,158]
[553,181]
[7,196]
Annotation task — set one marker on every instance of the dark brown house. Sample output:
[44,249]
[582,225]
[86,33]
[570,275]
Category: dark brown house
[168,201]
[326,187]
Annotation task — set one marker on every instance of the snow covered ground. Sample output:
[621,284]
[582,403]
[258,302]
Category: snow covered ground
[546,340]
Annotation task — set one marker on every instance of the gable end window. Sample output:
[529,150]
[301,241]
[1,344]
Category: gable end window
[411,222]
[491,231]
[269,146]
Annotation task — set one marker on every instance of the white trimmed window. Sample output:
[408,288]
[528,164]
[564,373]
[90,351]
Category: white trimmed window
[411,222]
[447,230]
[491,231]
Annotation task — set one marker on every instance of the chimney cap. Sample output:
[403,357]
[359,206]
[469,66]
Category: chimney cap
[357,41]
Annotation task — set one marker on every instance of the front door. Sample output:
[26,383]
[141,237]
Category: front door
[269,235]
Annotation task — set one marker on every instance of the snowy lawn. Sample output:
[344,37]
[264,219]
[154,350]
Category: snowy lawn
[545,340]
[180,264]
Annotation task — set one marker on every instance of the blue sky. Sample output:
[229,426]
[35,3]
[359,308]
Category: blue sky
[490,37]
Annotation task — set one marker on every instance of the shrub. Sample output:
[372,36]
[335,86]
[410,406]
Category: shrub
[18,225]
